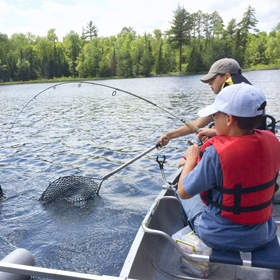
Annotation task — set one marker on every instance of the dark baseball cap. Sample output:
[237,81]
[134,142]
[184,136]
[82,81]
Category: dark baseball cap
[222,66]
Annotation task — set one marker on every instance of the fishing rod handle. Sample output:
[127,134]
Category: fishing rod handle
[192,127]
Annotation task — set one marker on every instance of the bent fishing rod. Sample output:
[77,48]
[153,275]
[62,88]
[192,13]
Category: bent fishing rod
[115,89]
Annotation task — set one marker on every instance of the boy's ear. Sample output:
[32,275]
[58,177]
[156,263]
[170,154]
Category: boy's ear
[230,120]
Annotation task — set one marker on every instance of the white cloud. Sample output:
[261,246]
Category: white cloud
[6,8]
[110,16]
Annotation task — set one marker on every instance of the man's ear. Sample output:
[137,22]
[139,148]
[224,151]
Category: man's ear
[227,75]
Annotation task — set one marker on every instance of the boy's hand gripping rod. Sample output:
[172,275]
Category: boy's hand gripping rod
[196,130]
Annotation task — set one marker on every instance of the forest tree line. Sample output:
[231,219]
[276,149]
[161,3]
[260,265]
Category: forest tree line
[193,42]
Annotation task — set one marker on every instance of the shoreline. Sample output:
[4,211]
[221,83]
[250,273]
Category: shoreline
[71,79]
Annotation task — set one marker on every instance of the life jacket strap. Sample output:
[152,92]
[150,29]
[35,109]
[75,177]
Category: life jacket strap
[236,209]
[237,189]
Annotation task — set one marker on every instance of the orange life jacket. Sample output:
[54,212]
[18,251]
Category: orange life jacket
[250,166]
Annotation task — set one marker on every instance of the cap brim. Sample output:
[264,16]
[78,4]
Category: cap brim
[207,111]
[208,77]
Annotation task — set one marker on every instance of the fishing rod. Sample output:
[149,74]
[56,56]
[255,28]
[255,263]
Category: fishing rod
[89,187]
[115,89]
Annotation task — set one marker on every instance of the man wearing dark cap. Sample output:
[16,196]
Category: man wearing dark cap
[223,72]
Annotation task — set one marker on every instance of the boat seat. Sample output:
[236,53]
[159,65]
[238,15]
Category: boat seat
[266,257]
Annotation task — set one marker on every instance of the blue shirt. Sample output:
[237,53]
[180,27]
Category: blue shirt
[216,231]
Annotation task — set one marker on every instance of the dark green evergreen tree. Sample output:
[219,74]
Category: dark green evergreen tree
[147,59]
[159,66]
[217,25]
[195,63]
[90,31]
[231,28]
[247,23]
[179,34]
[137,55]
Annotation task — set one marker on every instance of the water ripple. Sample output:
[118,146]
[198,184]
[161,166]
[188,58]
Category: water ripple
[86,131]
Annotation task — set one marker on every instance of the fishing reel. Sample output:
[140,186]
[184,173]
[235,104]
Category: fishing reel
[195,140]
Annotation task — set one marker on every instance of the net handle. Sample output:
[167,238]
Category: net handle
[126,164]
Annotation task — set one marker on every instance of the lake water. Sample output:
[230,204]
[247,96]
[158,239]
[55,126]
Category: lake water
[85,130]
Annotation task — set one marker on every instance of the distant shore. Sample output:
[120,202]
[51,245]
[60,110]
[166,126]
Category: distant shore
[71,79]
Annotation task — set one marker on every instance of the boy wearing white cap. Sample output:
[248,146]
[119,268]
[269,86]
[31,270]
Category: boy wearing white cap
[227,193]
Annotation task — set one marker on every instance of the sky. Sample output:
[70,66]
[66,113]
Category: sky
[110,16]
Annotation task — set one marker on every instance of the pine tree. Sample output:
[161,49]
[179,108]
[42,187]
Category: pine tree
[159,64]
[179,33]
[195,63]
[90,31]
[248,22]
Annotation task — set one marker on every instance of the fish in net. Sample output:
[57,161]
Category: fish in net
[74,189]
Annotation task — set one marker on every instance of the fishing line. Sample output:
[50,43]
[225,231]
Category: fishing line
[193,128]
[80,188]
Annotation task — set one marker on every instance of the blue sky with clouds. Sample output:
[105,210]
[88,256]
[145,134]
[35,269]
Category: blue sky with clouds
[110,16]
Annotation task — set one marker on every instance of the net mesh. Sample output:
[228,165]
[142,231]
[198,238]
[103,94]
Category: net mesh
[74,189]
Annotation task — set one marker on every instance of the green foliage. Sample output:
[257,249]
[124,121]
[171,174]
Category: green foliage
[4,72]
[146,60]
[215,50]
[195,63]
[23,72]
[193,40]
[263,49]
[137,46]
[159,64]
[255,50]
[73,45]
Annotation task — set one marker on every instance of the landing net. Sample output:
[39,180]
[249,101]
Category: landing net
[74,189]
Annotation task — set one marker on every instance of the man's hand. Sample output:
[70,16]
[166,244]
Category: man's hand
[163,140]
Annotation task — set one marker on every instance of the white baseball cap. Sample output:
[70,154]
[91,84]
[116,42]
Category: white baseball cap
[240,100]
